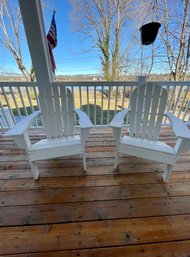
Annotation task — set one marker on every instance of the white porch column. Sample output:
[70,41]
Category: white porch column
[35,33]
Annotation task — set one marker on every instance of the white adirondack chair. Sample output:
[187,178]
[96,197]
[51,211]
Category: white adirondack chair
[143,120]
[57,108]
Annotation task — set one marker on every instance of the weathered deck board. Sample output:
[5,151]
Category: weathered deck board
[82,235]
[80,181]
[98,214]
[169,249]
[83,194]
[89,211]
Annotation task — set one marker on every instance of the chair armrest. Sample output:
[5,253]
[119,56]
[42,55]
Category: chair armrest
[178,126]
[22,126]
[118,120]
[84,120]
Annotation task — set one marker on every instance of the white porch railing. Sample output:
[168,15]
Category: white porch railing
[100,100]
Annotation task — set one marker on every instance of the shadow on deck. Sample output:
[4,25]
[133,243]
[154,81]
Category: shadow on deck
[67,213]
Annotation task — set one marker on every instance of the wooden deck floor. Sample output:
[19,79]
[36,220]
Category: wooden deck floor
[67,214]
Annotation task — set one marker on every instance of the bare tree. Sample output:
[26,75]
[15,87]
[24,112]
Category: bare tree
[175,19]
[103,21]
[172,47]
[10,36]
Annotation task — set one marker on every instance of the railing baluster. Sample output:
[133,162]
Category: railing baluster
[29,99]
[123,98]
[108,110]
[87,94]
[8,104]
[36,97]
[95,106]
[177,98]
[1,123]
[183,102]
[116,99]
[102,106]
[186,110]
[80,97]
[23,104]
[4,116]
[31,105]
[15,102]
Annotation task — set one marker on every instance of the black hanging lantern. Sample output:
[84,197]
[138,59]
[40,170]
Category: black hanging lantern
[149,32]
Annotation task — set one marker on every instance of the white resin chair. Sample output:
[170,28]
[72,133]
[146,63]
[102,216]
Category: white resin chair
[143,121]
[58,115]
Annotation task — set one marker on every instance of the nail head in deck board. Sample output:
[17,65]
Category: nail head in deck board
[92,235]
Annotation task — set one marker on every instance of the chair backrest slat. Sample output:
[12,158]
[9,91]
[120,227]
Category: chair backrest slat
[132,113]
[53,112]
[59,122]
[45,106]
[139,114]
[161,109]
[147,109]
[57,108]
[71,114]
[153,112]
[64,110]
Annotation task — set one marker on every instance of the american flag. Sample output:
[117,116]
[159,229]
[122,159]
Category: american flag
[52,41]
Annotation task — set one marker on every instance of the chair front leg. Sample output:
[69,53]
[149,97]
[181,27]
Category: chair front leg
[84,159]
[23,142]
[116,161]
[84,136]
[167,173]
[117,136]
[34,169]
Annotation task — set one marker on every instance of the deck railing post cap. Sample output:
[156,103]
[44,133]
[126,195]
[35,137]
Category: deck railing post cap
[141,79]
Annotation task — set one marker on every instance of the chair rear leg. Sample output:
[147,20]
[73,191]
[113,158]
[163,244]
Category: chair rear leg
[116,160]
[167,173]
[34,169]
[84,160]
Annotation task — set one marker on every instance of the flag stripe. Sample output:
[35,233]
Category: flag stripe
[52,41]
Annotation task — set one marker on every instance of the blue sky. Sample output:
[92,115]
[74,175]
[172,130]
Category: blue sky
[71,54]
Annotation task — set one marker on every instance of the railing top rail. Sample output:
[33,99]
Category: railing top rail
[17,84]
[172,83]
[96,83]
[118,83]
[91,83]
